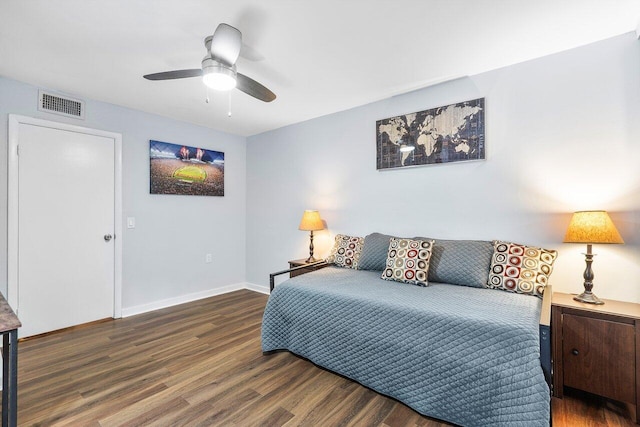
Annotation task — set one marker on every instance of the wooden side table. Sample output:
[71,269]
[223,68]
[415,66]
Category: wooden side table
[596,348]
[300,263]
[9,324]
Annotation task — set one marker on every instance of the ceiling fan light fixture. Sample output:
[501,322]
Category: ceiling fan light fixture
[218,76]
[219,81]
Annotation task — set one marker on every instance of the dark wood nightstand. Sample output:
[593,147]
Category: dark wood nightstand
[301,262]
[596,348]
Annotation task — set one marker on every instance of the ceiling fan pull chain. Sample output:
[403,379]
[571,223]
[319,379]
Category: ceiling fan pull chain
[207,99]
[229,112]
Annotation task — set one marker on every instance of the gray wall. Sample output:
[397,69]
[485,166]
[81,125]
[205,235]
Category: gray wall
[164,256]
[562,135]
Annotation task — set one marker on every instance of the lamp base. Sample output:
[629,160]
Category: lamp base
[310,260]
[589,298]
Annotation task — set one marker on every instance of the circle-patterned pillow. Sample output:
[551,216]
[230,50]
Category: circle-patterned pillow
[408,261]
[346,251]
[521,269]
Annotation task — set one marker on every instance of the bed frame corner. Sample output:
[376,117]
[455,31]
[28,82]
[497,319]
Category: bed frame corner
[545,334]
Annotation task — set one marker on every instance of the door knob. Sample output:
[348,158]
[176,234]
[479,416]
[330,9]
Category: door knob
[574,352]
[107,237]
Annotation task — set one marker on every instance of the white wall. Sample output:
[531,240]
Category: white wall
[164,256]
[562,132]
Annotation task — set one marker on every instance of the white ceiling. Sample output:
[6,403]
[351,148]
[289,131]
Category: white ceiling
[318,56]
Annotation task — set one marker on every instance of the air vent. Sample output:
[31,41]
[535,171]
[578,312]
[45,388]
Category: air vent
[57,104]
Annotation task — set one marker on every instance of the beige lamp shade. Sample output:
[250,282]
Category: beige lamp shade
[311,221]
[592,227]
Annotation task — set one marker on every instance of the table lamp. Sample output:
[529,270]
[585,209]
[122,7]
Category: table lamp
[591,227]
[311,222]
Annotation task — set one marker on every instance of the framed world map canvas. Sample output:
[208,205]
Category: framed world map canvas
[453,133]
[184,170]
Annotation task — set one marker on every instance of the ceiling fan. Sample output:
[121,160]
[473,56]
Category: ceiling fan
[219,66]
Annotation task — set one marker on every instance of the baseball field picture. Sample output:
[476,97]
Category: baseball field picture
[184,170]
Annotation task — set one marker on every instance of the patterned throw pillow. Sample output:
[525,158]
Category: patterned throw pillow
[346,251]
[521,269]
[408,261]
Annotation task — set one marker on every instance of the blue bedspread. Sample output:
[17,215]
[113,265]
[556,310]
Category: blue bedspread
[465,355]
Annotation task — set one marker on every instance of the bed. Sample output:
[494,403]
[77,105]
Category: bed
[467,355]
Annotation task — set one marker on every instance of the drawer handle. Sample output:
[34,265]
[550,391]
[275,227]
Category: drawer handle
[574,352]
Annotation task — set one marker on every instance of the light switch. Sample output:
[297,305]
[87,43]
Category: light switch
[131,222]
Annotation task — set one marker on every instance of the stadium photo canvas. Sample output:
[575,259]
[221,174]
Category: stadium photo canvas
[451,133]
[184,170]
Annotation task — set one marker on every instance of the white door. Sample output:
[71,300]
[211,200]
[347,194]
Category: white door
[65,227]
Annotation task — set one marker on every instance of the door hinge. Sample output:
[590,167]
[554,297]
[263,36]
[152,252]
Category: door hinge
[18,150]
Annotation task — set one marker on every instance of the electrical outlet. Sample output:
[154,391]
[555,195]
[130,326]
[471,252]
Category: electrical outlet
[208,258]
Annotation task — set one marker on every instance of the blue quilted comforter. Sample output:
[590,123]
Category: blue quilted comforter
[465,355]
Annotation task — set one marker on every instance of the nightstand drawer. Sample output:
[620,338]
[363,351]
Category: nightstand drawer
[599,356]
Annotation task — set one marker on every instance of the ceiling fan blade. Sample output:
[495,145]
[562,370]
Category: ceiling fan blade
[253,88]
[176,74]
[226,44]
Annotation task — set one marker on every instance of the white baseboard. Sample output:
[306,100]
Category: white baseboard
[257,288]
[169,302]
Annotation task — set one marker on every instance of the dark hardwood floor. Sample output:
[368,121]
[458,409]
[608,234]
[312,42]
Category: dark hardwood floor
[200,364]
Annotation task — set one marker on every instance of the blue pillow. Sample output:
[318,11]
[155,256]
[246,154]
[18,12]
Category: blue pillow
[374,252]
[460,262]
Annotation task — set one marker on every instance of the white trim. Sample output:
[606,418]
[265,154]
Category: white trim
[257,288]
[12,214]
[118,241]
[170,302]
